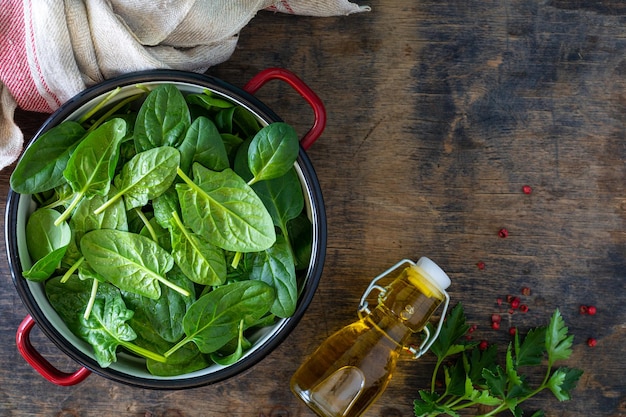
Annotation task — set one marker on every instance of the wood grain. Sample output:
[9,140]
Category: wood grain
[439,112]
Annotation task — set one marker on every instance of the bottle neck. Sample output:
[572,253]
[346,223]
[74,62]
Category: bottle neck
[396,332]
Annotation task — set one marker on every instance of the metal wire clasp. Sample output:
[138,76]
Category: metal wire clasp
[428,338]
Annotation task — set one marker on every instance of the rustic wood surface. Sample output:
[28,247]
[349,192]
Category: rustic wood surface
[439,112]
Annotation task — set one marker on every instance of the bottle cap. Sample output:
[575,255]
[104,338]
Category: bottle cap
[434,272]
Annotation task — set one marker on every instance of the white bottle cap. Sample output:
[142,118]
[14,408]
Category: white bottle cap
[434,272]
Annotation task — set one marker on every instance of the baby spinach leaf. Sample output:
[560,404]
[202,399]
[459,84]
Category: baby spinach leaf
[131,262]
[273,151]
[84,220]
[231,143]
[45,267]
[300,233]
[42,236]
[154,231]
[214,318]
[70,298]
[229,359]
[203,144]
[221,207]
[208,101]
[237,121]
[164,205]
[201,261]
[162,120]
[184,360]
[275,267]
[147,175]
[106,328]
[165,314]
[282,197]
[41,167]
[91,167]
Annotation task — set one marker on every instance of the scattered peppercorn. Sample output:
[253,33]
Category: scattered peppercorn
[591,342]
[496,318]
[527,189]
[503,233]
[480,265]
[583,309]
[591,310]
[512,331]
[495,325]
[523,308]
[515,302]
[483,345]
[526,291]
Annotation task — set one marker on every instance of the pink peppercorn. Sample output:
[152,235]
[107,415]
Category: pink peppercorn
[483,345]
[523,308]
[503,233]
[512,331]
[527,189]
[583,309]
[480,265]
[591,310]
[495,325]
[591,342]
[515,302]
[525,291]
[496,318]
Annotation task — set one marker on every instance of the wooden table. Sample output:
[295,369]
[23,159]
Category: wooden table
[439,112]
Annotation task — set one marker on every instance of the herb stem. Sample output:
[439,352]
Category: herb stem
[71,270]
[433,379]
[69,209]
[143,352]
[115,108]
[146,223]
[176,347]
[236,260]
[97,107]
[92,299]
[109,202]
[172,285]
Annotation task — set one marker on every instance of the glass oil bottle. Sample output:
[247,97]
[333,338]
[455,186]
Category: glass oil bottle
[352,368]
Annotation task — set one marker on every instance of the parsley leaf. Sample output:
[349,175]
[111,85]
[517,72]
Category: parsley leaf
[473,376]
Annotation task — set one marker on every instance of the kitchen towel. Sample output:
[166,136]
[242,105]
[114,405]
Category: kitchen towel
[50,50]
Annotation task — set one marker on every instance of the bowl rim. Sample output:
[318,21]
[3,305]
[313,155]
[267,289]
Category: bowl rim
[285,327]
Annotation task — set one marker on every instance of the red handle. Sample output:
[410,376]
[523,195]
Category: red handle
[305,91]
[40,364]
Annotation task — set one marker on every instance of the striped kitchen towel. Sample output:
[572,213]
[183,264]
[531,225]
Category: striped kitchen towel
[50,50]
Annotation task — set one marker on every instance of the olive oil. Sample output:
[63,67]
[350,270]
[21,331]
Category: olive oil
[352,368]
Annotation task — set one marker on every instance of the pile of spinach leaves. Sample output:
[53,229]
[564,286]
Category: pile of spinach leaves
[168,225]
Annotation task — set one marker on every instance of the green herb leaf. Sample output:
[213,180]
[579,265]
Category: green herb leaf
[558,343]
[532,349]
[496,381]
[562,381]
[453,329]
